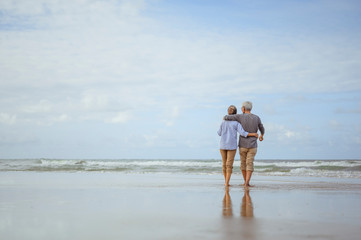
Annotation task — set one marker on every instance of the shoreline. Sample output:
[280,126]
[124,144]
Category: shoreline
[93,205]
[114,179]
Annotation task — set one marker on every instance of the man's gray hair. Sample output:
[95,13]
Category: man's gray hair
[247,105]
[234,109]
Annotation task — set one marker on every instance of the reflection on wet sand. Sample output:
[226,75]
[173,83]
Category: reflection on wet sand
[227,204]
[243,227]
[247,206]
[248,225]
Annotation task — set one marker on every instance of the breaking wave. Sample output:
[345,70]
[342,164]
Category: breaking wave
[314,168]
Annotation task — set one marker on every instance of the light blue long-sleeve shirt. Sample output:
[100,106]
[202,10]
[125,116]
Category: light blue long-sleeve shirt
[228,132]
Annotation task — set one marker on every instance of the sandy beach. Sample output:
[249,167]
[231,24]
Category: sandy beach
[109,205]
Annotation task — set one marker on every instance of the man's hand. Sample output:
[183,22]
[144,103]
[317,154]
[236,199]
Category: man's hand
[261,138]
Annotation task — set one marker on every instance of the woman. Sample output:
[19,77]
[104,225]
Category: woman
[228,145]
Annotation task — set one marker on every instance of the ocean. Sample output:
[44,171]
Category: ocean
[178,199]
[301,168]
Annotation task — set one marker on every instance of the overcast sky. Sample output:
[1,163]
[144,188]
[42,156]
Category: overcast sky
[153,78]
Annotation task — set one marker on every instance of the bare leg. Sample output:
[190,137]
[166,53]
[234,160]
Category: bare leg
[224,160]
[228,177]
[243,155]
[249,162]
[244,176]
[248,178]
[229,165]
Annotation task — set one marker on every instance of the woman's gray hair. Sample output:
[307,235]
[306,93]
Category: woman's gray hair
[247,105]
[234,109]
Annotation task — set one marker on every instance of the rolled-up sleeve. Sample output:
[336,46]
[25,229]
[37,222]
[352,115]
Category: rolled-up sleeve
[260,127]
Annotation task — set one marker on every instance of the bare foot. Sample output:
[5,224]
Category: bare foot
[248,185]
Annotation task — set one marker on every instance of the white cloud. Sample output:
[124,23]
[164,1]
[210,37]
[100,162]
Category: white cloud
[121,117]
[40,107]
[290,134]
[112,44]
[8,119]
[335,125]
[286,135]
[171,116]
[92,100]
[111,61]
[62,118]
[10,138]
[150,139]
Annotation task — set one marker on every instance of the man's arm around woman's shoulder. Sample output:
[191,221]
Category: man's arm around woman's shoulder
[234,117]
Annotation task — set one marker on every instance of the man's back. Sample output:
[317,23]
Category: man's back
[251,123]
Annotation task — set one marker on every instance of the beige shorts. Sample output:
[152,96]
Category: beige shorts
[227,159]
[247,158]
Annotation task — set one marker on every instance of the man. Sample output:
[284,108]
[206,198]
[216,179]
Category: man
[228,144]
[247,146]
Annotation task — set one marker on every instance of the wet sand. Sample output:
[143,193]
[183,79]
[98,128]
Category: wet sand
[86,205]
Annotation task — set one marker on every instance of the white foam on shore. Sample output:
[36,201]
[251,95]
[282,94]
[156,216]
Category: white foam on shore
[307,172]
[309,163]
[314,168]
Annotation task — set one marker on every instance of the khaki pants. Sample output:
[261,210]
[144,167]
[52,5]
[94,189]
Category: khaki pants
[247,158]
[227,159]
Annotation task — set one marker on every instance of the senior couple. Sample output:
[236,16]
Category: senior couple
[247,125]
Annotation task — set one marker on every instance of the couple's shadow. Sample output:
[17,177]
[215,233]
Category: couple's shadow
[246,206]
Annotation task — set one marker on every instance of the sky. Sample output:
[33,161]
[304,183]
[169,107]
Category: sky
[152,79]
